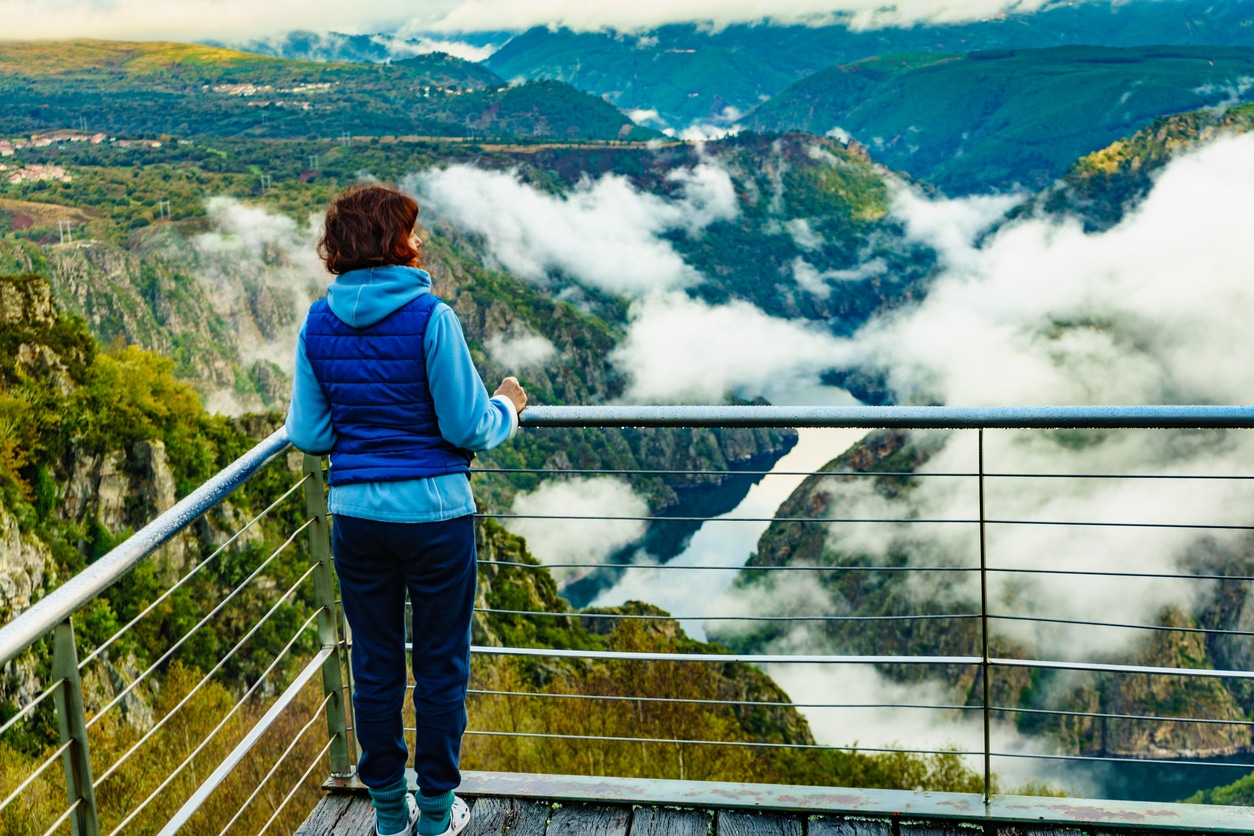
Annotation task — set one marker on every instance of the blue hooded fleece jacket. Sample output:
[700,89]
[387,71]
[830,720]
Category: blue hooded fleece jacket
[467,417]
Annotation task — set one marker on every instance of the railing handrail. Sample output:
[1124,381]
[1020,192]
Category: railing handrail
[896,417]
[43,617]
[53,613]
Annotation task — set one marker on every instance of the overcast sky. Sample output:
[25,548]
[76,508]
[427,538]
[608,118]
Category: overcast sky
[240,19]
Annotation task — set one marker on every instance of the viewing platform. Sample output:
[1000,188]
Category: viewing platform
[510,804]
[141,748]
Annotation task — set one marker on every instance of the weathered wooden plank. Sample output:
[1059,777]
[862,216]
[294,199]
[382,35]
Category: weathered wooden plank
[1034,830]
[850,827]
[735,823]
[669,821]
[589,820]
[526,818]
[358,820]
[488,816]
[937,828]
[324,816]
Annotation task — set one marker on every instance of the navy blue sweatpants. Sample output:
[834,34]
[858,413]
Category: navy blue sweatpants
[377,562]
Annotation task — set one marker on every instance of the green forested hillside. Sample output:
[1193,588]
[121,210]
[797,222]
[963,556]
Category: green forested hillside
[995,119]
[692,73]
[138,278]
[1099,187]
[185,89]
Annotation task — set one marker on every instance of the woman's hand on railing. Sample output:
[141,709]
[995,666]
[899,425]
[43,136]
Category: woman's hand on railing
[512,389]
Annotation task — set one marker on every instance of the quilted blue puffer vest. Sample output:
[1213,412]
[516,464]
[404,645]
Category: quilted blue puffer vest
[376,380]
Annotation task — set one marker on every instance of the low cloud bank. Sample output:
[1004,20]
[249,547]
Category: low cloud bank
[683,349]
[520,347]
[259,272]
[577,541]
[1153,311]
[605,233]
[593,15]
[232,19]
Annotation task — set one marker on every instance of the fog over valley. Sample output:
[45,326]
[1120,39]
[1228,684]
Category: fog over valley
[816,204]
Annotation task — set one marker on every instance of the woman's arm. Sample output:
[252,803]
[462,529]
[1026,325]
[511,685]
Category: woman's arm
[467,417]
[309,417]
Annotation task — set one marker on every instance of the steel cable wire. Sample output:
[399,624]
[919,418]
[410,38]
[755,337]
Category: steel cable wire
[1005,709]
[317,715]
[812,568]
[751,703]
[61,818]
[30,779]
[221,605]
[221,662]
[673,567]
[1146,575]
[752,744]
[299,783]
[222,724]
[1111,759]
[31,706]
[1214,631]
[691,519]
[553,471]
[178,584]
[922,617]
[871,521]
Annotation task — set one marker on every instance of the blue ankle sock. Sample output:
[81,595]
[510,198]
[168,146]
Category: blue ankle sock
[435,810]
[390,808]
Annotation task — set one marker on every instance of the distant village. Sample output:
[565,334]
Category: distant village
[33,173]
[36,172]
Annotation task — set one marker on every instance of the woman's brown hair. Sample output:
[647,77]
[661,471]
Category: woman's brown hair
[369,226]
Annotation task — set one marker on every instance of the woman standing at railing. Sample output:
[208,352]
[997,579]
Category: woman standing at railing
[384,382]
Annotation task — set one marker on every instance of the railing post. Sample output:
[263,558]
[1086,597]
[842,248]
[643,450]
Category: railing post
[76,759]
[988,759]
[324,598]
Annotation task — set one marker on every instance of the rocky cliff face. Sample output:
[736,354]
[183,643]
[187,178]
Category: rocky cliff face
[26,567]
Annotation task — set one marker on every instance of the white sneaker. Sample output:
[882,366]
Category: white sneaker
[412,827]
[458,818]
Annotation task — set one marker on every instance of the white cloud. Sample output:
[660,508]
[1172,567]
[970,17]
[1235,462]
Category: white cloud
[259,273]
[586,15]
[648,118]
[406,43]
[950,226]
[519,347]
[605,233]
[683,349]
[818,282]
[840,134]
[1154,310]
[578,541]
[802,235]
[1151,311]
[227,19]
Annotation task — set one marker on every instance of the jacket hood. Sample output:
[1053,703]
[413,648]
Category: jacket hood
[360,298]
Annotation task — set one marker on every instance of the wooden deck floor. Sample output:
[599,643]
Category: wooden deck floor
[351,815]
[511,804]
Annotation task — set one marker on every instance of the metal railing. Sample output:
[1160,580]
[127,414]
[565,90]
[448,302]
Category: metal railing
[51,619]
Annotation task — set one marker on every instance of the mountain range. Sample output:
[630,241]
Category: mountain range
[155,88]
[191,211]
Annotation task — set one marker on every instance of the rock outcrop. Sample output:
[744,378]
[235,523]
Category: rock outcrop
[26,566]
